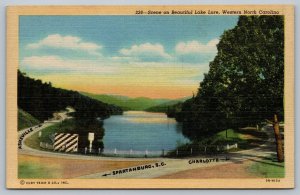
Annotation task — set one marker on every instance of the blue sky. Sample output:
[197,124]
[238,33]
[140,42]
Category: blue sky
[164,51]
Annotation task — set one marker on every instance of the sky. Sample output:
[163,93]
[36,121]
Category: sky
[134,56]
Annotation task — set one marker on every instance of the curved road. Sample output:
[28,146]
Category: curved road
[171,166]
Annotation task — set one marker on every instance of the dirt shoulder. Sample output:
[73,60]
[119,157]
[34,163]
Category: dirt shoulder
[230,170]
[70,168]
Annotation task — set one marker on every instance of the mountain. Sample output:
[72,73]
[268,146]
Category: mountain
[142,103]
[127,103]
[167,105]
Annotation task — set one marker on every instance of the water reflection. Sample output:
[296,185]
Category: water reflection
[138,130]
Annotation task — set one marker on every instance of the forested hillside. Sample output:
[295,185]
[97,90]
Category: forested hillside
[244,85]
[41,100]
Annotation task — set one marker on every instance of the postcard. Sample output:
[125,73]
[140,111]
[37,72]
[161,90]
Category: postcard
[150,97]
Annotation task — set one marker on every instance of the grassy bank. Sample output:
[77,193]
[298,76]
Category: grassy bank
[27,170]
[245,138]
[26,120]
[267,168]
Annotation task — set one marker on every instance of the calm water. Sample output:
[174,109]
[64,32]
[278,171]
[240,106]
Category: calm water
[138,130]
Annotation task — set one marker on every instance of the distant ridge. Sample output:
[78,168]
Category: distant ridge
[164,107]
[127,103]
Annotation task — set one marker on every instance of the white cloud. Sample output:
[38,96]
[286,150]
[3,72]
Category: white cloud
[146,52]
[66,42]
[58,65]
[196,47]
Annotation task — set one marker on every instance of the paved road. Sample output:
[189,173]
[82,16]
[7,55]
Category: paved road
[26,133]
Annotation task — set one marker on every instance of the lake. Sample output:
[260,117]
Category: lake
[140,131]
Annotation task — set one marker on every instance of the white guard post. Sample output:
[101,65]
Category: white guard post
[91,137]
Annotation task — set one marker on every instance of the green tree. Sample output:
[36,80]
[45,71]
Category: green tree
[245,81]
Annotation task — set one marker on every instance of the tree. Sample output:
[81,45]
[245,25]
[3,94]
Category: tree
[244,85]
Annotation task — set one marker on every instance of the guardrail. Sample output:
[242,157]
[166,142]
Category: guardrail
[150,153]
[158,153]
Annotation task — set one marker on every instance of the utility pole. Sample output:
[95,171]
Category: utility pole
[226,125]
[279,146]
